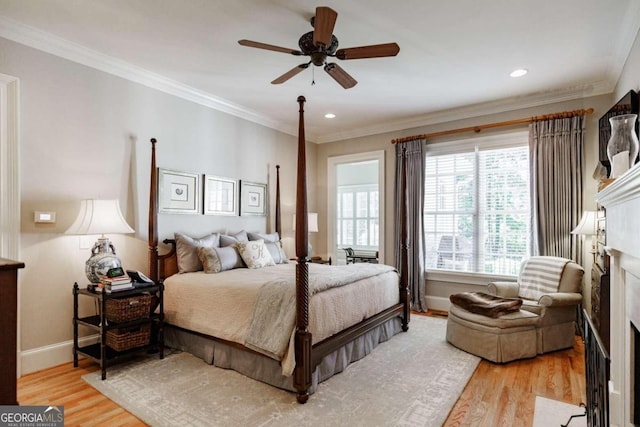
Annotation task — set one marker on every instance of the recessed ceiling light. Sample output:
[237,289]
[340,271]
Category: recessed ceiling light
[329,116]
[519,72]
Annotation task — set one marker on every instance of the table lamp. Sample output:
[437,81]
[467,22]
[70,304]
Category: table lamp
[312,227]
[587,227]
[100,217]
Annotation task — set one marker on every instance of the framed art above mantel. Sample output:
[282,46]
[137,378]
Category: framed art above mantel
[628,104]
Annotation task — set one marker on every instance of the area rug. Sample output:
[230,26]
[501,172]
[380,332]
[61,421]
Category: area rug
[549,412]
[414,379]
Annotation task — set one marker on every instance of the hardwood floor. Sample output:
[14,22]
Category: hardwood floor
[505,395]
[496,395]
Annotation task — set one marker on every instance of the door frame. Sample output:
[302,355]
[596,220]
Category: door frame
[9,168]
[10,184]
[332,164]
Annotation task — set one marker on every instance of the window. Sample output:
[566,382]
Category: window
[357,216]
[477,207]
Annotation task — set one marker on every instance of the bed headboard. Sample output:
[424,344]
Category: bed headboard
[163,266]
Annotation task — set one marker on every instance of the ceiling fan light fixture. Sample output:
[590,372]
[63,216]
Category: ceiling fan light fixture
[320,44]
[518,72]
[329,116]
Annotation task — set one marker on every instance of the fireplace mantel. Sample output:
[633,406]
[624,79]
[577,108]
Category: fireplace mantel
[621,200]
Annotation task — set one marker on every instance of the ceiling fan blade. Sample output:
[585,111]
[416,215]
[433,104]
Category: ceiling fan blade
[324,22]
[265,46]
[341,76]
[292,72]
[372,51]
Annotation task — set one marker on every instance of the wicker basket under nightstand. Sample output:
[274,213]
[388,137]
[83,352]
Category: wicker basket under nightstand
[124,324]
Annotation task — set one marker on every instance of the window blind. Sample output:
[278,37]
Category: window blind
[477,208]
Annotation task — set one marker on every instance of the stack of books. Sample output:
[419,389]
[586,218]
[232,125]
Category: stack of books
[115,284]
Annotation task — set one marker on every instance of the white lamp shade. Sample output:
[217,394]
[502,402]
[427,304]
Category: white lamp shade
[99,217]
[587,225]
[312,222]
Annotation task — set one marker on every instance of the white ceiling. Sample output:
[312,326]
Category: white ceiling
[454,61]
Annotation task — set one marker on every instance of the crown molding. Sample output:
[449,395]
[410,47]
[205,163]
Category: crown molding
[75,52]
[58,46]
[476,110]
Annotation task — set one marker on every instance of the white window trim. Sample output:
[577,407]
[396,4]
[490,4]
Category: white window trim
[466,277]
[332,163]
[354,189]
[490,142]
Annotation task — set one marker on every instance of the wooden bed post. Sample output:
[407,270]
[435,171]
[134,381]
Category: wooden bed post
[405,294]
[153,214]
[302,372]
[278,213]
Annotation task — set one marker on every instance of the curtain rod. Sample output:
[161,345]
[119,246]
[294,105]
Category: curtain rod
[478,128]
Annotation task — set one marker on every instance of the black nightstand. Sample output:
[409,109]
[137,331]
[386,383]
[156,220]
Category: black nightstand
[130,334]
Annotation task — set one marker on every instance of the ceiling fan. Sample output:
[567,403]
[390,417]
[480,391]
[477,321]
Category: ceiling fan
[321,44]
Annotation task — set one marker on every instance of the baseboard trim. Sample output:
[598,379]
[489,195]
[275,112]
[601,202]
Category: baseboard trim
[438,303]
[52,355]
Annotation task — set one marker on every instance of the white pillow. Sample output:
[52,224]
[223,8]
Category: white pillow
[255,254]
[273,244]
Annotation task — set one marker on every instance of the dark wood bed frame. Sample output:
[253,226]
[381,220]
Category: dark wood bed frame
[307,356]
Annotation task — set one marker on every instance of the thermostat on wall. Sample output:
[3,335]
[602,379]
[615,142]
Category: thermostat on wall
[44,217]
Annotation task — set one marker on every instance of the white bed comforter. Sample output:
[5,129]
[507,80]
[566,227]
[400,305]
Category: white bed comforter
[221,305]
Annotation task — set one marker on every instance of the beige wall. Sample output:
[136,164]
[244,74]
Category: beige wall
[630,76]
[85,134]
[438,292]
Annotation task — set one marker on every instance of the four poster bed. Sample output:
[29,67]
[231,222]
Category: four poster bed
[341,312]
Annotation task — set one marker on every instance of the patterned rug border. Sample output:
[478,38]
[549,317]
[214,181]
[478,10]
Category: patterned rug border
[160,393]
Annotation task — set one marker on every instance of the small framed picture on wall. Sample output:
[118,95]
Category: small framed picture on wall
[220,195]
[253,198]
[178,192]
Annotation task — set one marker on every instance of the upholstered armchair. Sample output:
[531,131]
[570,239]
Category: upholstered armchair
[550,290]
[555,327]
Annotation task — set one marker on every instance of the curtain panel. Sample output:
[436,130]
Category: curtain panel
[411,153]
[556,150]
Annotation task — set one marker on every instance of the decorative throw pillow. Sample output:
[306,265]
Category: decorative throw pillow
[255,254]
[277,253]
[268,238]
[230,239]
[273,244]
[215,260]
[186,250]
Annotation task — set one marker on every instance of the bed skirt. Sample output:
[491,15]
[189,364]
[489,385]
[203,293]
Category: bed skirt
[268,370]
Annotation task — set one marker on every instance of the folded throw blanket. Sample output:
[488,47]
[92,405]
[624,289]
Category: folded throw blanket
[485,304]
[540,275]
[274,312]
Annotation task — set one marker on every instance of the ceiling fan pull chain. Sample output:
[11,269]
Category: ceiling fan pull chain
[313,76]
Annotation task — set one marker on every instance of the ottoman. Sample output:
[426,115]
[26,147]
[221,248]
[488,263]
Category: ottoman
[508,337]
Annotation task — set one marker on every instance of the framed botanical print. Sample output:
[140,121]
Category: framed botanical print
[220,196]
[178,192]
[253,198]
